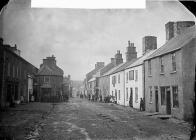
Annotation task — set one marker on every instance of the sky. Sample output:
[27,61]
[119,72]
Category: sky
[79,38]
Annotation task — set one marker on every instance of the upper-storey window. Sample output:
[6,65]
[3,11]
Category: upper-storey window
[8,69]
[136,75]
[149,67]
[127,77]
[161,65]
[119,78]
[47,79]
[113,80]
[131,75]
[173,62]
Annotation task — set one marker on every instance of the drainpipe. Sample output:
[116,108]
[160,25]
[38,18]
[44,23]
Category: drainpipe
[143,69]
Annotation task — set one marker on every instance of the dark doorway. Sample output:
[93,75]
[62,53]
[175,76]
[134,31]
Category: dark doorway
[156,99]
[9,92]
[168,101]
[131,98]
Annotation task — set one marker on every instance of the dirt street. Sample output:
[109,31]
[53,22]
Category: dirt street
[82,119]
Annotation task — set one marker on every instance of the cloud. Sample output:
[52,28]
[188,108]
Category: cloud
[80,38]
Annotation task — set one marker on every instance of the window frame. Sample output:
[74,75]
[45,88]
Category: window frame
[136,93]
[175,102]
[131,75]
[163,96]
[150,92]
[136,75]
[173,59]
[48,81]
[162,69]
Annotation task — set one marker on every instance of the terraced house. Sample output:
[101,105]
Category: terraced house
[103,76]
[117,77]
[134,74]
[170,72]
[16,76]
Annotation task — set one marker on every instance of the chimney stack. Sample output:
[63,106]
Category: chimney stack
[99,65]
[118,58]
[175,28]
[50,61]
[131,52]
[149,43]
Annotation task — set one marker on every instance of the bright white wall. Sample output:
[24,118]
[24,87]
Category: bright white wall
[118,86]
[133,84]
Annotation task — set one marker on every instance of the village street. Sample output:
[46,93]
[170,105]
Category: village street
[82,119]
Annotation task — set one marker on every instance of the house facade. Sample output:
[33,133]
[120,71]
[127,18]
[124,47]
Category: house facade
[117,77]
[16,76]
[134,74]
[50,81]
[170,72]
[104,79]
[91,79]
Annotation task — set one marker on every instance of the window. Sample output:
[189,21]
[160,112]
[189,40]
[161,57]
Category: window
[8,69]
[119,95]
[17,72]
[149,68]
[173,62]
[47,79]
[127,77]
[175,96]
[150,90]
[119,78]
[163,96]
[127,96]
[161,65]
[131,75]
[25,74]
[136,94]
[136,75]
[113,80]
[13,72]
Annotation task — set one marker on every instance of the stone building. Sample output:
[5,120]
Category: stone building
[50,81]
[90,81]
[170,72]
[16,76]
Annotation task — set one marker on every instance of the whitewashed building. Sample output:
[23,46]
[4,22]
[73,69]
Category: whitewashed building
[134,82]
[134,74]
[117,77]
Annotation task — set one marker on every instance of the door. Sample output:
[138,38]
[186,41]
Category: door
[116,94]
[131,98]
[168,101]
[156,100]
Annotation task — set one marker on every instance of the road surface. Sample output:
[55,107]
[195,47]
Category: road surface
[82,119]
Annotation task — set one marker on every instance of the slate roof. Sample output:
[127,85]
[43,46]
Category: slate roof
[175,43]
[106,68]
[123,66]
[112,70]
[141,59]
[50,70]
